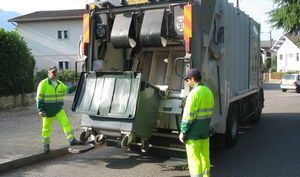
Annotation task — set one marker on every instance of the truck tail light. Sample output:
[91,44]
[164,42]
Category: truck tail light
[84,48]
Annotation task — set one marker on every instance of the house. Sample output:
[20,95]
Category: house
[52,36]
[288,53]
[265,47]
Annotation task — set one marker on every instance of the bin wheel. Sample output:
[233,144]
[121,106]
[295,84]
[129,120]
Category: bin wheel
[94,132]
[124,142]
[145,146]
[84,136]
[99,139]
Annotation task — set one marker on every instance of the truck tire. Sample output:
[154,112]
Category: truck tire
[254,119]
[283,90]
[232,125]
[298,89]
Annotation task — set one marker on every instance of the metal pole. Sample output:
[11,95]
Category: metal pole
[270,70]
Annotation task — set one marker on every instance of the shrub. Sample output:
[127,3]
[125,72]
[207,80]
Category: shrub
[39,76]
[66,75]
[16,65]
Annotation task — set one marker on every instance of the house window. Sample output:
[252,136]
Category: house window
[66,65]
[297,56]
[280,56]
[59,34]
[63,65]
[62,34]
[65,34]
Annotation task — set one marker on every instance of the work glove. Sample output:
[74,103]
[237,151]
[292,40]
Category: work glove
[42,114]
[182,137]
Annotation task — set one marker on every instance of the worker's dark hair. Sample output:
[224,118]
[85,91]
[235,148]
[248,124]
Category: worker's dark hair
[198,77]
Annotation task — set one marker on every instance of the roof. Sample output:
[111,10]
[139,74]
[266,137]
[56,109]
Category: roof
[50,15]
[294,38]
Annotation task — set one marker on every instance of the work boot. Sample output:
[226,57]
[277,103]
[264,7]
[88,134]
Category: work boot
[74,142]
[46,148]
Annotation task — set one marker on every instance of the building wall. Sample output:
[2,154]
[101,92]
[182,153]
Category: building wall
[287,59]
[45,46]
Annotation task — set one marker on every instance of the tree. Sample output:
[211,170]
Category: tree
[16,65]
[286,16]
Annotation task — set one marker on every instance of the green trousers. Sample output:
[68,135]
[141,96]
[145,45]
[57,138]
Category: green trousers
[64,122]
[198,157]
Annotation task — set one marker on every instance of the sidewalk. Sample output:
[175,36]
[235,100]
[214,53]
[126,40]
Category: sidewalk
[20,130]
[273,81]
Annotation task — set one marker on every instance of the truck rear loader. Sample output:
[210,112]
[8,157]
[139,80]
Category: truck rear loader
[136,54]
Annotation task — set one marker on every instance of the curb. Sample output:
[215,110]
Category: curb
[30,160]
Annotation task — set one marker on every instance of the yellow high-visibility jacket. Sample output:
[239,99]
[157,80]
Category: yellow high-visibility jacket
[197,113]
[50,99]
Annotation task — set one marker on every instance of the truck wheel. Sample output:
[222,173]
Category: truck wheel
[232,126]
[254,119]
[298,89]
[283,90]
[84,136]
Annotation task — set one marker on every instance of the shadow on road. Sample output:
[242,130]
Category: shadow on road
[271,86]
[269,148]
[131,161]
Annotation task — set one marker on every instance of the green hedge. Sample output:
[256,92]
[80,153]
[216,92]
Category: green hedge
[66,75]
[16,65]
[39,76]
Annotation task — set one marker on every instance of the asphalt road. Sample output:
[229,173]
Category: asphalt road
[267,149]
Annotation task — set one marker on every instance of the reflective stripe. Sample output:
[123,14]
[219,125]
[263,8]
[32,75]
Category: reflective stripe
[70,135]
[41,96]
[54,96]
[187,121]
[53,101]
[46,140]
[198,175]
[201,111]
[86,28]
[206,173]
[203,117]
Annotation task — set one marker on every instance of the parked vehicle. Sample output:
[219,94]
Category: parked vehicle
[146,48]
[290,82]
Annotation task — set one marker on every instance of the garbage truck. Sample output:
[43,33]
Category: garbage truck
[136,54]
